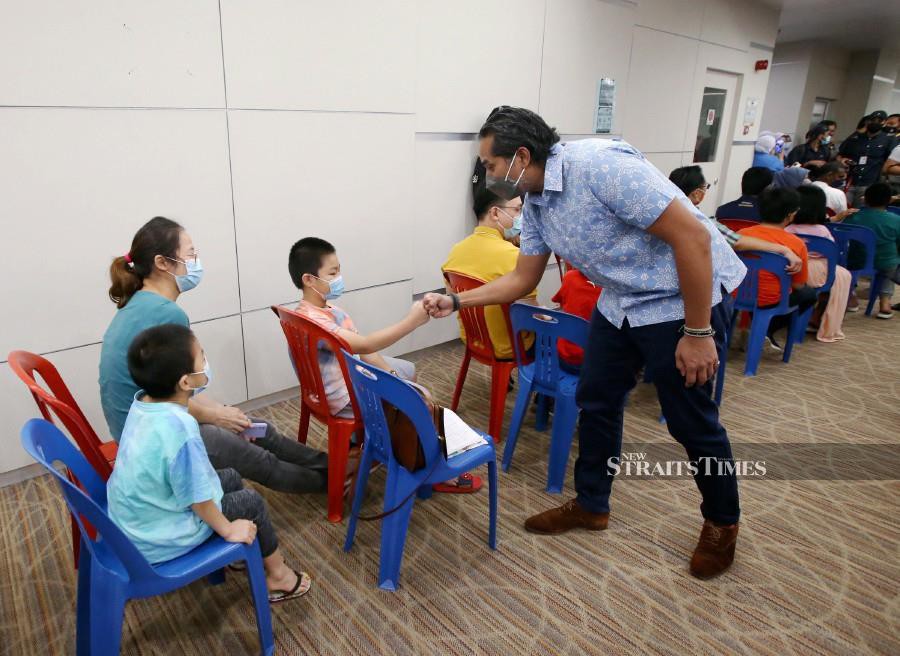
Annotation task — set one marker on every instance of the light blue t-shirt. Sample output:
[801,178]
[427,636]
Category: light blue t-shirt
[768,161]
[161,469]
[117,389]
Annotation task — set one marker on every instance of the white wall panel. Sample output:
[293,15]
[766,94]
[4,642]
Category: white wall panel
[340,176]
[320,55]
[660,94]
[666,162]
[268,365]
[584,40]
[473,56]
[443,211]
[78,368]
[725,22]
[75,185]
[683,17]
[111,53]
[223,343]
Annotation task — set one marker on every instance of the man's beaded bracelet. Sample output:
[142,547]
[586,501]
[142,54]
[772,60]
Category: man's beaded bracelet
[698,332]
[455,299]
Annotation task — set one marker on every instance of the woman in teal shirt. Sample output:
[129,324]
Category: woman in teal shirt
[146,283]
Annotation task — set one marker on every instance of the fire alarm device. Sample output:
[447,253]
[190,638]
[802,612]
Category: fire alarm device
[762,64]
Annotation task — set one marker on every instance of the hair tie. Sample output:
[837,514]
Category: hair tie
[127,258]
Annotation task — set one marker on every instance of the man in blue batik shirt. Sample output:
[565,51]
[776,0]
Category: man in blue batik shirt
[665,272]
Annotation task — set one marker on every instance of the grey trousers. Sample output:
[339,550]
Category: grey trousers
[238,503]
[275,461]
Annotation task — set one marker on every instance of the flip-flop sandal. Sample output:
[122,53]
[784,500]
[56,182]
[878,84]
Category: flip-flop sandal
[304,583]
[465,484]
[239,566]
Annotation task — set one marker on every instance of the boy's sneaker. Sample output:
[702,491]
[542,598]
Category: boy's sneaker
[773,345]
[885,315]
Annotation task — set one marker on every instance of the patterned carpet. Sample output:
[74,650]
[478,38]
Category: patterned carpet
[817,569]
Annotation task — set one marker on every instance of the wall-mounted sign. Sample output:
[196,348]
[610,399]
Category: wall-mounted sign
[606,102]
[710,116]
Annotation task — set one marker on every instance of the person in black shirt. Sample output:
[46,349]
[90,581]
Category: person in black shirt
[865,153]
[814,152]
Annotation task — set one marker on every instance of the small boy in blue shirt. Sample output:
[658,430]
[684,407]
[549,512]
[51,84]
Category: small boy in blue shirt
[163,493]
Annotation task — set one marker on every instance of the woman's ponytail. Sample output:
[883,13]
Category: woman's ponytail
[125,282]
[159,236]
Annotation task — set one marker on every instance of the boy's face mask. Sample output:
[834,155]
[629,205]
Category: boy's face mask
[335,288]
[206,372]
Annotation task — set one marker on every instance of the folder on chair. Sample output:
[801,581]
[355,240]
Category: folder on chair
[459,437]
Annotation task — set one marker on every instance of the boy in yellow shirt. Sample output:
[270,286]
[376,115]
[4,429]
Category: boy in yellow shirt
[487,254]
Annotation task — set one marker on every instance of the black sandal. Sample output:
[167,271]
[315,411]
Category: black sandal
[277,596]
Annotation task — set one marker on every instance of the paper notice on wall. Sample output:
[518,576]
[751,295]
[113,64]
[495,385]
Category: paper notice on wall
[710,116]
[750,111]
[606,101]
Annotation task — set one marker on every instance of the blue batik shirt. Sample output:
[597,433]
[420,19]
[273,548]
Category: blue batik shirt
[599,198]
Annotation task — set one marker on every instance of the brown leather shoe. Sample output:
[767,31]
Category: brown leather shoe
[715,550]
[564,518]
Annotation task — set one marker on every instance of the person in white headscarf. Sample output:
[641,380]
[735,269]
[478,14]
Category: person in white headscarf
[764,154]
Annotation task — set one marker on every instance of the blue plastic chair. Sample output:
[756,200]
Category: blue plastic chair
[746,300]
[545,377]
[372,386]
[111,570]
[831,252]
[845,235]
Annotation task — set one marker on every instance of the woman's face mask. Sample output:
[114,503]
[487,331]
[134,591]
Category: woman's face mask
[192,278]
[826,140]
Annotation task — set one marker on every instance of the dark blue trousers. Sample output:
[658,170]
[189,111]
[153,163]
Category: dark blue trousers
[612,361]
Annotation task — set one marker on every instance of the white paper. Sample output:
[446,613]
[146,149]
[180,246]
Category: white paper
[459,435]
[606,101]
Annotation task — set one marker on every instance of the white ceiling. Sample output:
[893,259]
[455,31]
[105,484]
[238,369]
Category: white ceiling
[850,24]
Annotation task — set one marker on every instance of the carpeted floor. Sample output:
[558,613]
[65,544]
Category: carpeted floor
[817,569]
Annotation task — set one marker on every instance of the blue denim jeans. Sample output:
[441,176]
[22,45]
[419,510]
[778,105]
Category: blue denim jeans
[613,358]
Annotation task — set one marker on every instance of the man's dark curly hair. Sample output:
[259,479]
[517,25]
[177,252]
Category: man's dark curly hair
[513,128]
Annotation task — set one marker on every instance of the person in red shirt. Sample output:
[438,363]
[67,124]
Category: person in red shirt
[577,296]
[777,208]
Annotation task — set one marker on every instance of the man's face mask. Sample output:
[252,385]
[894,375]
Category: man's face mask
[504,189]
[874,127]
[826,140]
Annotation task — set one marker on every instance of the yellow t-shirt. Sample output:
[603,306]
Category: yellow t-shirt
[485,255]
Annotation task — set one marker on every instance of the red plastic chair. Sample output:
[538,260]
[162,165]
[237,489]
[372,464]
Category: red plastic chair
[480,347]
[101,455]
[304,337]
[738,224]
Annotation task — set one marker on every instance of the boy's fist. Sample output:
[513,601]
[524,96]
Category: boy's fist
[241,530]
[418,314]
